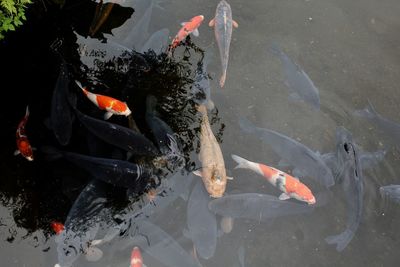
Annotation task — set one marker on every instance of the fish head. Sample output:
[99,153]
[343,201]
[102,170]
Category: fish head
[303,193]
[136,257]
[216,184]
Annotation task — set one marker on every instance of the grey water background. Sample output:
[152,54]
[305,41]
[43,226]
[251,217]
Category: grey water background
[350,50]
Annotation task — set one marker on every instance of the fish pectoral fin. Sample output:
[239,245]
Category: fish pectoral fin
[196,33]
[198,173]
[183,23]
[284,196]
[17,152]
[107,115]
[212,23]
[235,24]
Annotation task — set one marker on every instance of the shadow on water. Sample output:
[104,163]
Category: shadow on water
[39,192]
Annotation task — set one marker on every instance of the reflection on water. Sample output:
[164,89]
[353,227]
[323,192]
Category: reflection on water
[343,58]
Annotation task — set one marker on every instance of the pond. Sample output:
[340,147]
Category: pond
[303,129]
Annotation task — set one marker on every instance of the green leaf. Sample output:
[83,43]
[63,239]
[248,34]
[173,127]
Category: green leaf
[11,27]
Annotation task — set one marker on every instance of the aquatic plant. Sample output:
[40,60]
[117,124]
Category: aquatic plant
[12,13]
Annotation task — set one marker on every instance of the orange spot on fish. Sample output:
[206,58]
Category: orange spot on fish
[267,171]
[57,227]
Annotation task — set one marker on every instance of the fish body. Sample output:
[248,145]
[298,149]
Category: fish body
[222,23]
[157,42]
[61,115]
[391,191]
[23,145]
[289,185]
[165,138]
[118,135]
[201,86]
[82,225]
[111,105]
[136,258]
[213,171]
[187,28]
[351,177]
[296,154]
[117,172]
[202,224]
[260,207]
[297,80]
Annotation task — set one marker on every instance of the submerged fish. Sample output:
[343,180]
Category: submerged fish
[82,225]
[213,171]
[351,176]
[187,28]
[23,145]
[164,137]
[57,227]
[202,224]
[117,172]
[388,127]
[260,207]
[61,116]
[391,191]
[101,14]
[161,246]
[222,23]
[158,42]
[289,185]
[306,161]
[111,105]
[119,136]
[201,86]
[301,86]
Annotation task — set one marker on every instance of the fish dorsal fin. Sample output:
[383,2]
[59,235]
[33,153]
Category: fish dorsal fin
[183,23]
[196,33]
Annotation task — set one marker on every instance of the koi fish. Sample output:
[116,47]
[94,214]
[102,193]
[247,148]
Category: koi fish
[222,23]
[213,171]
[289,185]
[111,105]
[57,227]
[23,146]
[136,258]
[187,28]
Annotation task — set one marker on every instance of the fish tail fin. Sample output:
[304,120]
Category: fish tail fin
[341,240]
[368,112]
[52,153]
[222,80]
[151,102]
[242,162]
[246,125]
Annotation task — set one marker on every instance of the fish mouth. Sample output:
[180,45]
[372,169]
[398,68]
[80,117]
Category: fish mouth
[312,201]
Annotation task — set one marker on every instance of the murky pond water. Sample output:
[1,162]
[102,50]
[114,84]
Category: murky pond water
[300,69]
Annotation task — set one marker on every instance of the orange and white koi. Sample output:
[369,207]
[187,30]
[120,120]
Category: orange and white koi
[111,105]
[187,28]
[136,258]
[57,227]
[289,185]
[23,146]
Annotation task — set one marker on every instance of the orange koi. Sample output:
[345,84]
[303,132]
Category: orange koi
[23,146]
[187,28]
[111,105]
[136,258]
[289,185]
